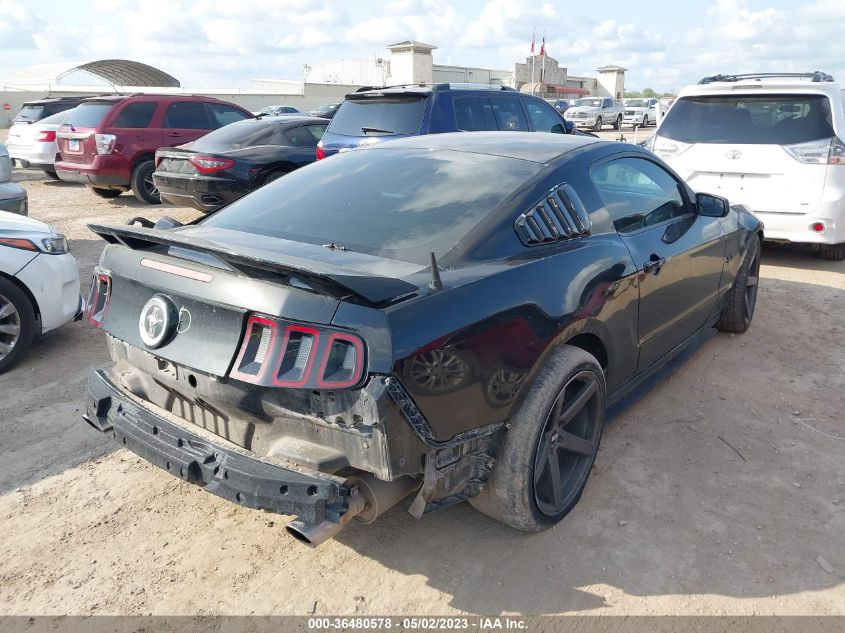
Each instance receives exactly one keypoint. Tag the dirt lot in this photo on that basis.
(720, 491)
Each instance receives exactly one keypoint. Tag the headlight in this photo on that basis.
(55, 245)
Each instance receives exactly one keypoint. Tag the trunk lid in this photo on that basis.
(762, 177)
(214, 280)
(75, 138)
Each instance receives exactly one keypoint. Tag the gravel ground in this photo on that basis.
(721, 490)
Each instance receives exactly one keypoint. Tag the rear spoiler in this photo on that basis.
(369, 288)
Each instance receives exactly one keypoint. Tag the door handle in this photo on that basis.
(174, 134)
(654, 264)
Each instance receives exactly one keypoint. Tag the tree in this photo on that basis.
(648, 93)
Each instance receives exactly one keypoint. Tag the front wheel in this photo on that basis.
(835, 252)
(617, 124)
(597, 126)
(142, 183)
(742, 297)
(17, 323)
(645, 120)
(546, 457)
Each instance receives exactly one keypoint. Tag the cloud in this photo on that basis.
(17, 26)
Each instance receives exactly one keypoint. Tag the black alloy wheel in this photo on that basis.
(568, 444)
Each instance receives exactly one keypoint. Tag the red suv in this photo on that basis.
(109, 143)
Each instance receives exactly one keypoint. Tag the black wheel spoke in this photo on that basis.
(571, 443)
(574, 407)
(553, 466)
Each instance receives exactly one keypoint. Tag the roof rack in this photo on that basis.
(816, 76)
(438, 87)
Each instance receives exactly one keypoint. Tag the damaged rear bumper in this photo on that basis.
(222, 469)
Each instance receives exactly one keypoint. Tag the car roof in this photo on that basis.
(538, 147)
(147, 96)
(47, 100)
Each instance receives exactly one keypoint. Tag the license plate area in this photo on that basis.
(73, 145)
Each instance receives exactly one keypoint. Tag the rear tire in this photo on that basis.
(105, 193)
(51, 173)
(17, 323)
(835, 252)
(546, 457)
(142, 183)
(742, 297)
(273, 175)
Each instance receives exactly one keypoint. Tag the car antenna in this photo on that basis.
(435, 283)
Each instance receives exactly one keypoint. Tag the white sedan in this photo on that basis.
(39, 284)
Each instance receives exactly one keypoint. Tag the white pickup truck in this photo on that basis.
(595, 112)
(641, 112)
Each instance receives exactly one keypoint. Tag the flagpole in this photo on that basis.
(533, 58)
(543, 71)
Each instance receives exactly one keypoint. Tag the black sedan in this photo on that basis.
(446, 316)
(236, 159)
(325, 111)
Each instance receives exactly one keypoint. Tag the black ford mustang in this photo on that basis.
(238, 158)
(447, 316)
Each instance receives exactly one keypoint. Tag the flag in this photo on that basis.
(532, 43)
(543, 47)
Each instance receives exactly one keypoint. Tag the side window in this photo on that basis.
(473, 114)
(318, 131)
(543, 118)
(186, 115)
(509, 114)
(300, 136)
(637, 193)
(136, 115)
(224, 115)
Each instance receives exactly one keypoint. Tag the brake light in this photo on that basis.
(817, 227)
(278, 354)
(98, 299)
(667, 148)
(342, 362)
(47, 136)
(210, 164)
(823, 152)
(158, 160)
(320, 153)
(104, 143)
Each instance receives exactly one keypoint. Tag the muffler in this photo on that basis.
(369, 498)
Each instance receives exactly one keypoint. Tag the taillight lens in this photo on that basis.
(210, 164)
(320, 154)
(104, 143)
(47, 136)
(342, 362)
(98, 299)
(822, 152)
(667, 148)
(278, 354)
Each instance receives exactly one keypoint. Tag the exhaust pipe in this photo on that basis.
(370, 498)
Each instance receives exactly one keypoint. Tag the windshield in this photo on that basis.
(400, 204)
(637, 103)
(56, 119)
(88, 114)
(749, 119)
(591, 103)
(379, 117)
(29, 113)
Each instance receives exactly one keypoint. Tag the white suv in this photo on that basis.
(772, 142)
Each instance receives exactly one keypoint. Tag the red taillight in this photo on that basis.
(98, 299)
(210, 164)
(47, 136)
(343, 361)
(320, 154)
(276, 354)
(158, 161)
(817, 227)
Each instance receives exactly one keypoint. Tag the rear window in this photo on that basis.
(238, 135)
(55, 119)
(749, 119)
(29, 113)
(379, 117)
(88, 114)
(401, 204)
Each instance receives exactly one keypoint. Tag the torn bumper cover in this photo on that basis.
(225, 471)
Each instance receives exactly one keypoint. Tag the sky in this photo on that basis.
(227, 43)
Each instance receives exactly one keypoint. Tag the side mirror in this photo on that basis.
(711, 206)
(558, 128)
